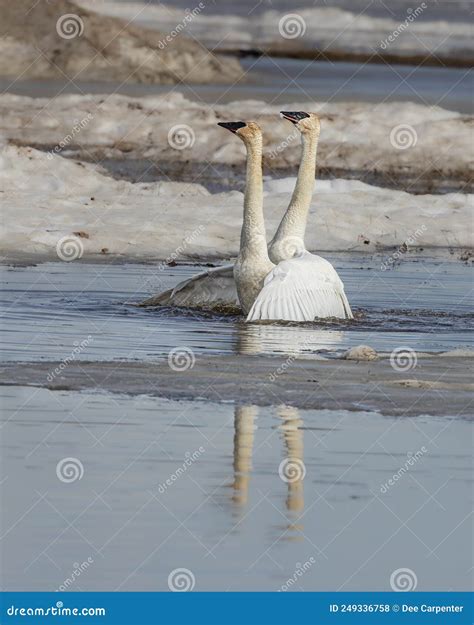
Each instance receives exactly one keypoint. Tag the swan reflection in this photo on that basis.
(290, 340)
(290, 472)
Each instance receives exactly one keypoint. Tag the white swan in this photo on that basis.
(302, 286)
(215, 288)
(299, 289)
(253, 264)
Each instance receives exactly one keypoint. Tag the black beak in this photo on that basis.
(232, 126)
(294, 116)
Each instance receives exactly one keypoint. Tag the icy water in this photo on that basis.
(449, 10)
(115, 493)
(50, 308)
(281, 80)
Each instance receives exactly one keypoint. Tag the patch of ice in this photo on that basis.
(361, 353)
(47, 197)
(356, 137)
(458, 353)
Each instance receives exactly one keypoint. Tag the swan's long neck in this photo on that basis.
(253, 239)
(253, 263)
(293, 224)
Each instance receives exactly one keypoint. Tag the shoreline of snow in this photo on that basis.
(50, 203)
(401, 141)
(328, 32)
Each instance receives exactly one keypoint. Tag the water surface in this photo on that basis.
(280, 80)
(99, 479)
(51, 308)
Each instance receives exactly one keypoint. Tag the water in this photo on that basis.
(448, 10)
(85, 477)
(50, 308)
(279, 81)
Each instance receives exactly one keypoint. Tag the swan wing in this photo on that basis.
(303, 288)
(208, 289)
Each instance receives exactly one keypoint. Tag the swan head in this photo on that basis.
(249, 132)
(305, 122)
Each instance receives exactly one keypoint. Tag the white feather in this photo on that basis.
(303, 288)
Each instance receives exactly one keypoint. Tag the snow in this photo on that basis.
(403, 140)
(47, 197)
(300, 31)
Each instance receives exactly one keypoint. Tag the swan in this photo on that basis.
(302, 286)
(216, 287)
(253, 264)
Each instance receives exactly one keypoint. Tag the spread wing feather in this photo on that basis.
(303, 288)
(208, 289)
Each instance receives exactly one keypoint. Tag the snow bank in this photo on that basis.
(306, 32)
(405, 141)
(48, 201)
(58, 39)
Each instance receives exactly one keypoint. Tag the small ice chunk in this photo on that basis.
(361, 352)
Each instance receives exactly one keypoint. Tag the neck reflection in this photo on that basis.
(292, 469)
(244, 430)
